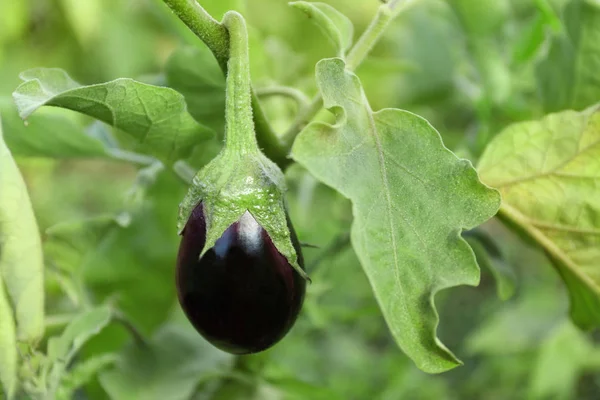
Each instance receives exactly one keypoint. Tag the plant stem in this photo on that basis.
(385, 14)
(303, 118)
(284, 91)
(337, 245)
(370, 37)
(216, 37)
(208, 29)
(239, 130)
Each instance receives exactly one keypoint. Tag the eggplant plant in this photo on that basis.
(311, 242)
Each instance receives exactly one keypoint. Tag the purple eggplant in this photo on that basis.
(242, 295)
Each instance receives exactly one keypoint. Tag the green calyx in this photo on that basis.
(241, 178)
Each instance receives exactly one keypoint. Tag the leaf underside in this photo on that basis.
(411, 198)
(548, 173)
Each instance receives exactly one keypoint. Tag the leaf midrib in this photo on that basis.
(523, 221)
(386, 188)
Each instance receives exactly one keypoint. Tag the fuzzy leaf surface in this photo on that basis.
(411, 198)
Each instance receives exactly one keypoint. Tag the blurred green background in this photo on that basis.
(468, 66)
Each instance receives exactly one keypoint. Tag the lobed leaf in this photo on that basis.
(411, 197)
(156, 116)
(21, 260)
(548, 173)
(336, 26)
(568, 78)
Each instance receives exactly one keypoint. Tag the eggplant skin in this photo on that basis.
(243, 296)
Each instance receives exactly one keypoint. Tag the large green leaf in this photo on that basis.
(21, 261)
(568, 78)
(411, 197)
(170, 367)
(548, 173)
(335, 25)
(156, 117)
(8, 345)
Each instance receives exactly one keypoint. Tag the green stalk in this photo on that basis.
(240, 136)
(385, 14)
(216, 37)
(208, 29)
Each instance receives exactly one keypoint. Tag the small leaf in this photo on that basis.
(157, 117)
(520, 325)
(68, 242)
(80, 330)
(530, 42)
(488, 256)
(568, 78)
(63, 348)
(481, 18)
(411, 197)
(47, 134)
(335, 25)
(21, 260)
(169, 368)
(194, 72)
(548, 173)
(8, 345)
(560, 363)
(82, 373)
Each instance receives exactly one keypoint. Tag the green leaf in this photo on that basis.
(8, 345)
(47, 134)
(520, 325)
(568, 78)
(481, 18)
(411, 197)
(80, 330)
(548, 173)
(21, 260)
(170, 367)
(82, 373)
(68, 242)
(157, 117)
(489, 257)
(63, 348)
(560, 363)
(335, 25)
(530, 42)
(194, 72)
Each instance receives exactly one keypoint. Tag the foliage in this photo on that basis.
(484, 107)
